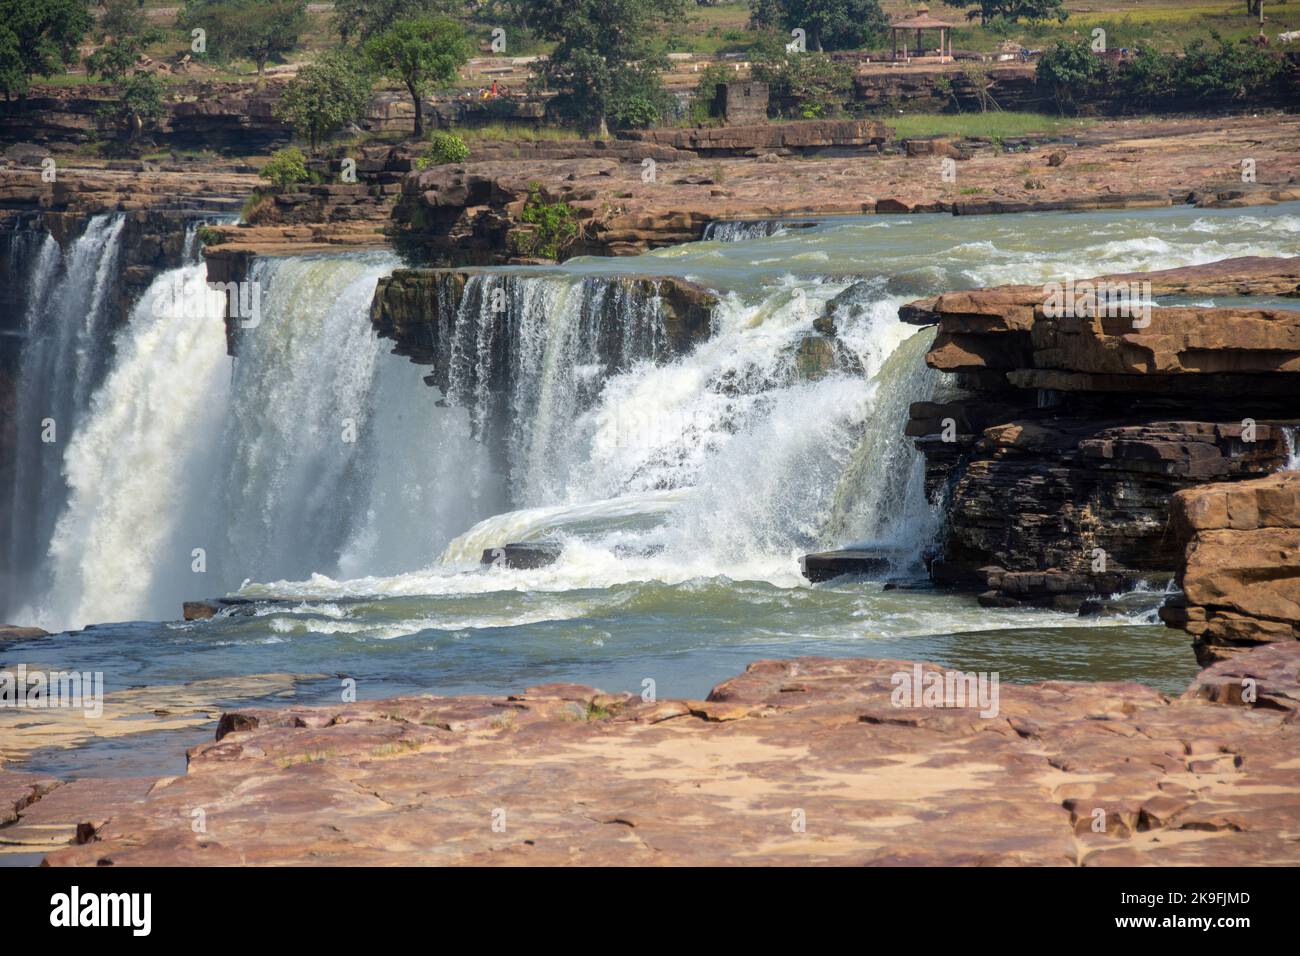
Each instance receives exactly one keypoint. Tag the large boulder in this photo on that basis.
(1240, 572)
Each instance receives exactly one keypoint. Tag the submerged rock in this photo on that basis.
(825, 565)
(12, 632)
(523, 555)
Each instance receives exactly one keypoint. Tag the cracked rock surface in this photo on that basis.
(802, 761)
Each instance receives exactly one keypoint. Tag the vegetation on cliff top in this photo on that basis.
(421, 55)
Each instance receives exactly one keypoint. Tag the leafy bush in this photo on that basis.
(286, 167)
(810, 85)
(446, 148)
(705, 90)
(1232, 71)
(255, 207)
(1070, 70)
(325, 96)
(555, 226)
(208, 236)
(1220, 72)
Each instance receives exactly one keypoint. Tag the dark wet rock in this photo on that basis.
(825, 565)
(523, 555)
(199, 610)
(417, 308)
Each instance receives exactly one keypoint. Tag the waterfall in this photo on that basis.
(67, 330)
(316, 452)
(1291, 434)
(565, 412)
(740, 230)
(724, 460)
(136, 466)
(527, 355)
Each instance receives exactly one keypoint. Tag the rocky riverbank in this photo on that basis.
(458, 214)
(804, 761)
(1058, 465)
(629, 196)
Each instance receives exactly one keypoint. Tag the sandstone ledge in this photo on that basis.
(1008, 334)
(1241, 568)
(574, 776)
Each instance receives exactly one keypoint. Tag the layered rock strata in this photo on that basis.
(1074, 432)
(1240, 573)
(802, 137)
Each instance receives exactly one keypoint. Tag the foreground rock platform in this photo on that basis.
(802, 761)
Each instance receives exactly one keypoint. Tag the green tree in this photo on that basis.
(1222, 70)
(325, 96)
(359, 20)
(828, 24)
(139, 102)
(807, 85)
(257, 29)
(420, 54)
(123, 31)
(1069, 70)
(285, 167)
(38, 38)
(606, 62)
(1034, 10)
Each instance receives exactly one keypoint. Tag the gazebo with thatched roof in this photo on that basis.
(921, 20)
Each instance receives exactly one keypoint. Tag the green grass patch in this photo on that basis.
(527, 134)
(994, 125)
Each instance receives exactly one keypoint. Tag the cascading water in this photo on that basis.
(680, 478)
(317, 453)
(724, 460)
(741, 230)
(65, 354)
(1292, 436)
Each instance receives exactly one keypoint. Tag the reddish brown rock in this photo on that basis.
(803, 761)
(1240, 573)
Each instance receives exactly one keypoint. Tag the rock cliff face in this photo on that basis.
(1240, 573)
(475, 330)
(413, 308)
(804, 761)
(1075, 432)
(803, 137)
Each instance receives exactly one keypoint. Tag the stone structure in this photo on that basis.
(741, 103)
(1240, 573)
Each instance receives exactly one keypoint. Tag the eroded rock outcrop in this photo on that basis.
(1075, 431)
(804, 761)
(802, 136)
(1240, 573)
